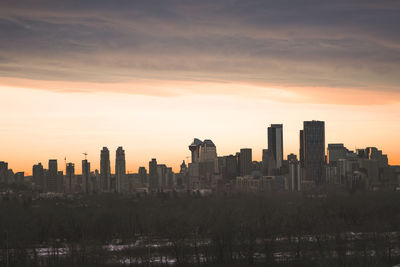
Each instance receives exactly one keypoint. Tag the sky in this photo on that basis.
(151, 75)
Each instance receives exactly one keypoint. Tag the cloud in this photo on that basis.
(293, 44)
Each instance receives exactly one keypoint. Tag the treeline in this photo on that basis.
(243, 230)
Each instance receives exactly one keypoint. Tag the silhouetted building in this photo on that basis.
(208, 151)
(294, 173)
(38, 176)
(301, 150)
(245, 161)
(372, 153)
(52, 176)
(142, 175)
(19, 177)
(313, 147)
(105, 172)
(195, 149)
(120, 171)
(229, 169)
(86, 175)
(60, 182)
(275, 143)
(162, 176)
(336, 152)
(153, 175)
(268, 164)
(3, 172)
(170, 178)
(70, 179)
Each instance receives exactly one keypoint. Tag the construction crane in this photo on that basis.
(85, 153)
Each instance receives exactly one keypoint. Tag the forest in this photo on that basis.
(281, 229)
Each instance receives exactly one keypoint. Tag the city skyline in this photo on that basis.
(256, 155)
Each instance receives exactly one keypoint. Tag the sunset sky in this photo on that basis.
(151, 75)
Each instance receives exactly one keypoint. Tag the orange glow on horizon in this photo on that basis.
(160, 118)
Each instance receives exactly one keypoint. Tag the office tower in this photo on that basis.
(3, 172)
(52, 176)
(195, 148)
(275, 143)
(85, 175)
(120, 171)
(208, 151)
(170, 178)
(142, 175)
(268, 164)
(162, 178)
(301, 150)
(153, 175)
(70, 185)
(105, 172)
(372, 153)
(230, 167)
(203, 151)
(294, 173)
(336, 152)
(60, 181)
(38, 176)
(245, 161)
(313, 147)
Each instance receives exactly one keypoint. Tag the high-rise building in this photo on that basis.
(229, 168)
(275, 143)
(38, 175)
(336, 152)
(142, 175)
(312, 145)
(3, 172)
(162, 175)
(195, 148)
(70, 182)
(245, 161)
(120, 171)
(105, 172)
(170, 178)
(85, 175)
(208, 151)
(153, 175)
(294, 173)
(372, 153)
(52, 176)
(301, 150)
(60, 182)
(268, 164)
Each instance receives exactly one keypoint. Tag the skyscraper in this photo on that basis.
(70, 178)
(3, 172)
(275, 143)
(142, 175)
(105, 172)
(38, 175)
(52, 176)
(336, 152)
(85, 175)
(268, 166)
(312, 146)
(195, 148)
(245, 161)
(120, 171)
(153, 175)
